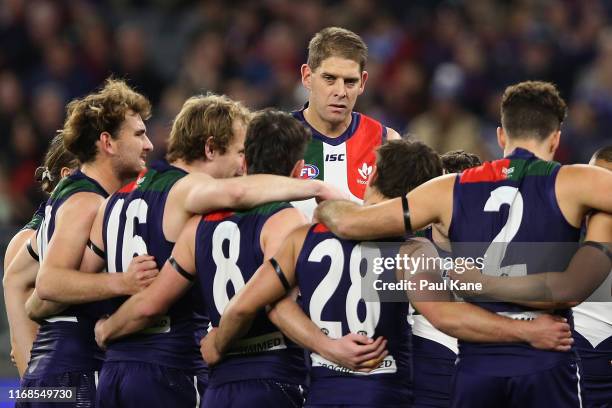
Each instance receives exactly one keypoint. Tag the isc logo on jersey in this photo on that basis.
(335, 157)
(309, 171)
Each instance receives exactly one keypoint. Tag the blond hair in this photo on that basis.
(201, 117)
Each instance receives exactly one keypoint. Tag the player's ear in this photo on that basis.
(306, 75)
(297, 169)
(65, 171)
(364, 78)
(501, 137)
(209, 148)
(105, 143)
(373, 176)
(555, 140)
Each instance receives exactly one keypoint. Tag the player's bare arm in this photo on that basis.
(198, 193)
(588, 268)
(59, 279)
(354, 351)
(429, 203)
(262, 289)
(580, 188)
(19, 276)
(142, 309)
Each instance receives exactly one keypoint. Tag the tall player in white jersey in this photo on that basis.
(343, 141)
(593, 327)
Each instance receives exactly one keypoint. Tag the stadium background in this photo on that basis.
(437, 69)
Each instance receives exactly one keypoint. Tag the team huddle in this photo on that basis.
(229, 274)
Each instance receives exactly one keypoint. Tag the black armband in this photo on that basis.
(280, 274)
(31, 251)
(598, 245)
(96, 249)
(180, 269)
(406, 210)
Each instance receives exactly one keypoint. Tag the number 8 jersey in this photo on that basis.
(328, 272)
(227, 254)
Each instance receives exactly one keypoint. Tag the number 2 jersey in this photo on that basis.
(65, 342)
(228, 253)
(512, 201)
(133, 225)
(329, 276)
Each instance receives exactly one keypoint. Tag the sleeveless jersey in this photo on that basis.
(228, 253)
(65, 342)
(510, 201)
(346, 161)
(328, 271)
(37, 218)
(133, 225)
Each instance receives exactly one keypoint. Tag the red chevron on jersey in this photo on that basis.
(360, 148)
(320, 228)
(487, 172)
(218, 215)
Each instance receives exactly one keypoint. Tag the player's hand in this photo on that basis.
(140, 274)
(357, 352)
(99, 333)
(13, 361)
(550, 332)
(329, 192)
(209, 352)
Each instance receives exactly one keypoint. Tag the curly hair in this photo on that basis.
(103, 111)
(532, 110)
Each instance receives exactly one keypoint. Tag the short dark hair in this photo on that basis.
(402, 165)
(456, 161)
(532, 110)
(274, 142)
(605, 154)
(103, 111)
(336, 42)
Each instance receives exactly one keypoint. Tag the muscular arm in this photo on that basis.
(580, 188)
(19, 276)
(142, 309)
(262, 289)
(59, 279)
(429, 203)
(588, 268)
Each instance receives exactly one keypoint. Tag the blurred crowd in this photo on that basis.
(436, 69)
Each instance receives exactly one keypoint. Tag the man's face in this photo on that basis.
(132, 146)
(334, 86)
(231, 163)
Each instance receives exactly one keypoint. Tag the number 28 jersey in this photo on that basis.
(328, 271)
(133, 225)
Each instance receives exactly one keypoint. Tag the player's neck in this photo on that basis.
(196, 166)
(324, 127)
(541, 150)
(373, 197)
(104, 175)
